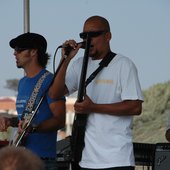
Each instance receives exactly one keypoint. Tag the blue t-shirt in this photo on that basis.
(43, 144)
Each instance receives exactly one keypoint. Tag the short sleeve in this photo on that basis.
(50, 100)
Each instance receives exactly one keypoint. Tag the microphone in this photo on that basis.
(69, 48)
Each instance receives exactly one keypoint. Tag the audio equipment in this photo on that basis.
(162, 157)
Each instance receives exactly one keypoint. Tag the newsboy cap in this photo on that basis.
(29, 40)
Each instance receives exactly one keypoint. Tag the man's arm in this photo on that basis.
(58, 88)
(167, 135)
(124, 108)
(57, 121)
(6, 122)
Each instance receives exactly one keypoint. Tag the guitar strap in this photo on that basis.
(32, 99)
(104, 63)
(28, 112)
(79, 125)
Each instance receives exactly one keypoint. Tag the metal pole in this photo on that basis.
(26, 16)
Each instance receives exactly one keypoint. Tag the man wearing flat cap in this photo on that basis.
(30, 54)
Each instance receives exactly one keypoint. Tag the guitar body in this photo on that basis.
(19, 137)
(77, 139)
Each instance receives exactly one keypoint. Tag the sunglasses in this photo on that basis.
(91, 34)
(19, 50)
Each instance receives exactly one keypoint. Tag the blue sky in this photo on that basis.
(140, 31)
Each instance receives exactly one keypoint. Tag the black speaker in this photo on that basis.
(64, 154)
(162, 157)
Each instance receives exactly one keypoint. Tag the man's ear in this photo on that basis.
(108, 36)
(34, 51)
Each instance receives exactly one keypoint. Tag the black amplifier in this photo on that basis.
(144, 153)
(162, 157)
(64, 150)
(64, 154)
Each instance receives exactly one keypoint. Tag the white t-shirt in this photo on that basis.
(108, 139)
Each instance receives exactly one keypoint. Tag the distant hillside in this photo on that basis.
(150, 126)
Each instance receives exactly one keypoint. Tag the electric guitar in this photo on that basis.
(79, 124)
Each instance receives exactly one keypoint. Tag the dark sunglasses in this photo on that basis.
(19, 50)
(84, 35)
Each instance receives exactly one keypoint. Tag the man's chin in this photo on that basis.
(19, 67)
(93, 56)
